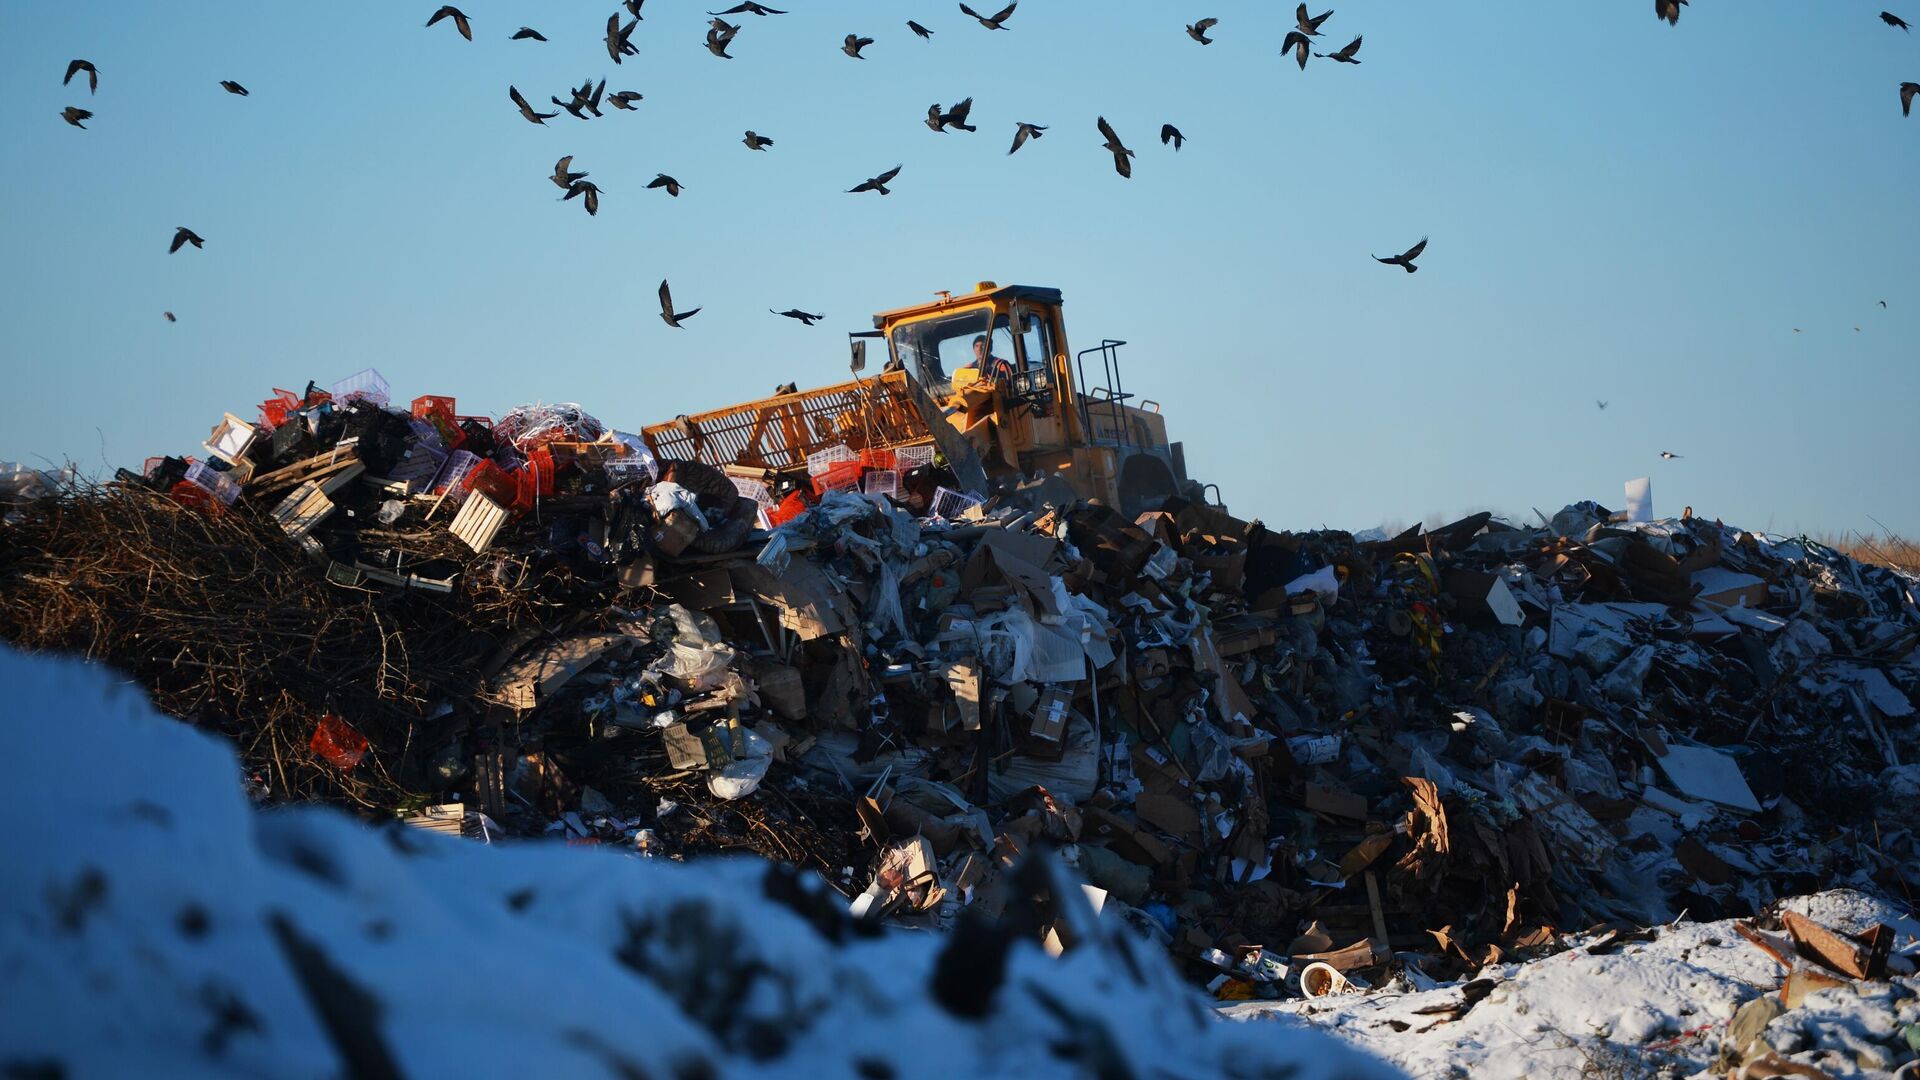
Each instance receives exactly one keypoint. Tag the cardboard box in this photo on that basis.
(1050, 714)
(673, 533)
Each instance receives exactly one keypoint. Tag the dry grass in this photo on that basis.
(1882, 550)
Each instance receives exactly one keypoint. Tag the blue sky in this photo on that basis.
(1619, 210)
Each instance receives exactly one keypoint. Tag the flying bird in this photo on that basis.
(1309, 27)
(667, 313)
(633, 7)
(921, 30)
(994, 22)
(620, 42)
(718, 39)
(1024, 132)
(854, 44)
(588, 189)
(459, 18)
(586, 99)
(74, 67)
(1298, 44)
(526, 110)
(183, 236)
(527, 33)
(625, 99)
(668, 182)
(1668, 455)
(1891, 19)
(563, 174)
(796, 313)
(757, 142)
(1883, 303)
(1171, 134)
(786, 388)
(169, 316)
(749, 8)
(876, 183)
(233, 88)
(73, 114)
(1404, 260)
(954, 117)
(1602, 404)
(1907, 92)
(1668, 10)
(1198, 31)
(1344, 56)
(1120, 153)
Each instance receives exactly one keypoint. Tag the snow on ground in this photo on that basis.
(154, 923)
(1655, 1008)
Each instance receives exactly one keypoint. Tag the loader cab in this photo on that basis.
(1043, 419)
(941, 345)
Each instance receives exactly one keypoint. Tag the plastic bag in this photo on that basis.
(741, 776)
(667, 496)
(698, 657)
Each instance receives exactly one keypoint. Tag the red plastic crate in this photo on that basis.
(438, 411)
(427, 404)
(534, 479)
(275, 410)
(792, 507)
(839, 477)
(877, 459)
(494, 482)
(194, 497)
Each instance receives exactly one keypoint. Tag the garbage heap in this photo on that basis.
(1278, 753)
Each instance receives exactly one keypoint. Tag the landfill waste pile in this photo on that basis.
(1301, 761)
(155, 924)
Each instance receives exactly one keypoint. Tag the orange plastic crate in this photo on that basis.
(877, 459)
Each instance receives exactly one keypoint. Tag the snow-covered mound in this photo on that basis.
(154, 923)
(1659, 1008)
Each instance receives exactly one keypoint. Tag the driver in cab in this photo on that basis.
(988, 365)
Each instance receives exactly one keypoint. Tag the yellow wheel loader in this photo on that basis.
(988, 379)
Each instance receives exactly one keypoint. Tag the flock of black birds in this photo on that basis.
(585, 101)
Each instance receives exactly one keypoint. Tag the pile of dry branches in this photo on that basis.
(232, 627)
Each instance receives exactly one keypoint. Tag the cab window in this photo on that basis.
(931, 350)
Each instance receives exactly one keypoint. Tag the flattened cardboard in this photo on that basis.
(804, 597)
(537, 675)
(1171, 814)
(1699, 772)
(1335, 803)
